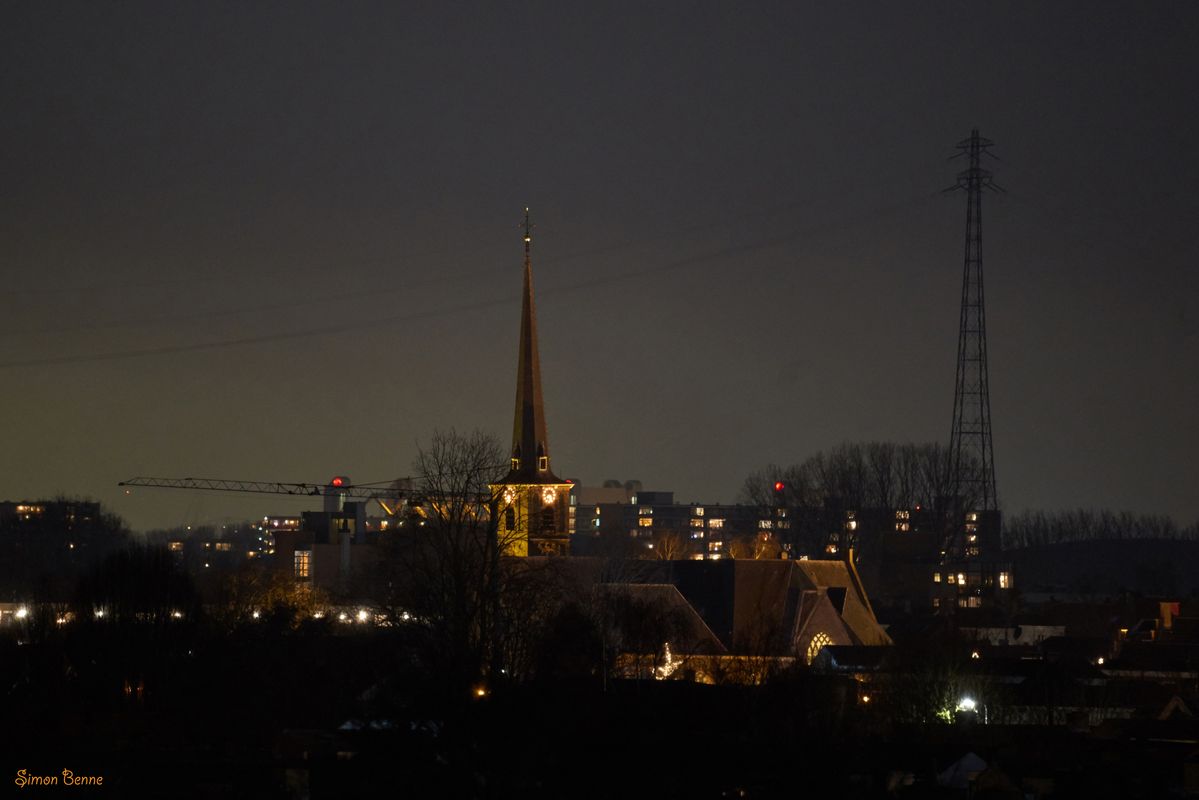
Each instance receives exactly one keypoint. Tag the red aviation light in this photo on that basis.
(338, 481)
(779, 486)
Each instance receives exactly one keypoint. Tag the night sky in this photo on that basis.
(280, 241)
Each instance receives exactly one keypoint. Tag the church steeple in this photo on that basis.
(530, 448)
(531, 503)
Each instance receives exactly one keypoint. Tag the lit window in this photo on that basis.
(715, 523)
(595, 523)
(645, 511)
(224, 547)
(951, 578)
(1005, 580)
(972, 517)
(515, 464)
(175, 547)
(543, 463)
(765, 524)
(714, 546)
(303, 564)
(903, 514)
(820, 641)
(697, 512)
(961, 579)
(831, 549)
(697, 523)
(936, 577)
(646, 522)
(852, 525)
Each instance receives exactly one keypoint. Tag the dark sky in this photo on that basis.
(279, 241)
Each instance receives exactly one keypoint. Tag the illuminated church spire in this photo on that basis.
(530, 447)
(532, 504)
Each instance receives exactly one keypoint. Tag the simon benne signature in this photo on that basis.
(66, 778)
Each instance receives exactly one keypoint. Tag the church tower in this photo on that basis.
(532, 502)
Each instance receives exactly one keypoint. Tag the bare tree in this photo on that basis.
(445, 573)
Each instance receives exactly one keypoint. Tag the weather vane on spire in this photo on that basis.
(528, 236)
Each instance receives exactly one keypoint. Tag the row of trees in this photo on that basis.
(1036, 528)
(858, 475)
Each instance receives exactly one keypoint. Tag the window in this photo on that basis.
(765, 524)
(715, 523)
(714, 547)
(515, 464)
(697, 523)
(936, 577)
(646, 522)
(224, 547)
(901, 514)
(176, 547)
(543, 463)
(698, 511)
(1005, 580)
(510, 518)
(820, 641)
(951, 578)
(961, 579)
(646, 511)
(303, 564)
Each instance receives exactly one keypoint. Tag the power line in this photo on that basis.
(380, 321)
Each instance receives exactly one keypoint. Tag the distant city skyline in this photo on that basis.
(261, 245)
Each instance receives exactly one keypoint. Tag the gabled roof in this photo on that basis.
(689, 631)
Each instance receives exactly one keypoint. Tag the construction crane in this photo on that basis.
(391, 497)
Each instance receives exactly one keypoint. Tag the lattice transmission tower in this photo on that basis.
(971, 456)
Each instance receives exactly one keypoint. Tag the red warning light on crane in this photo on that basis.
(338, 481)
(778, 486)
